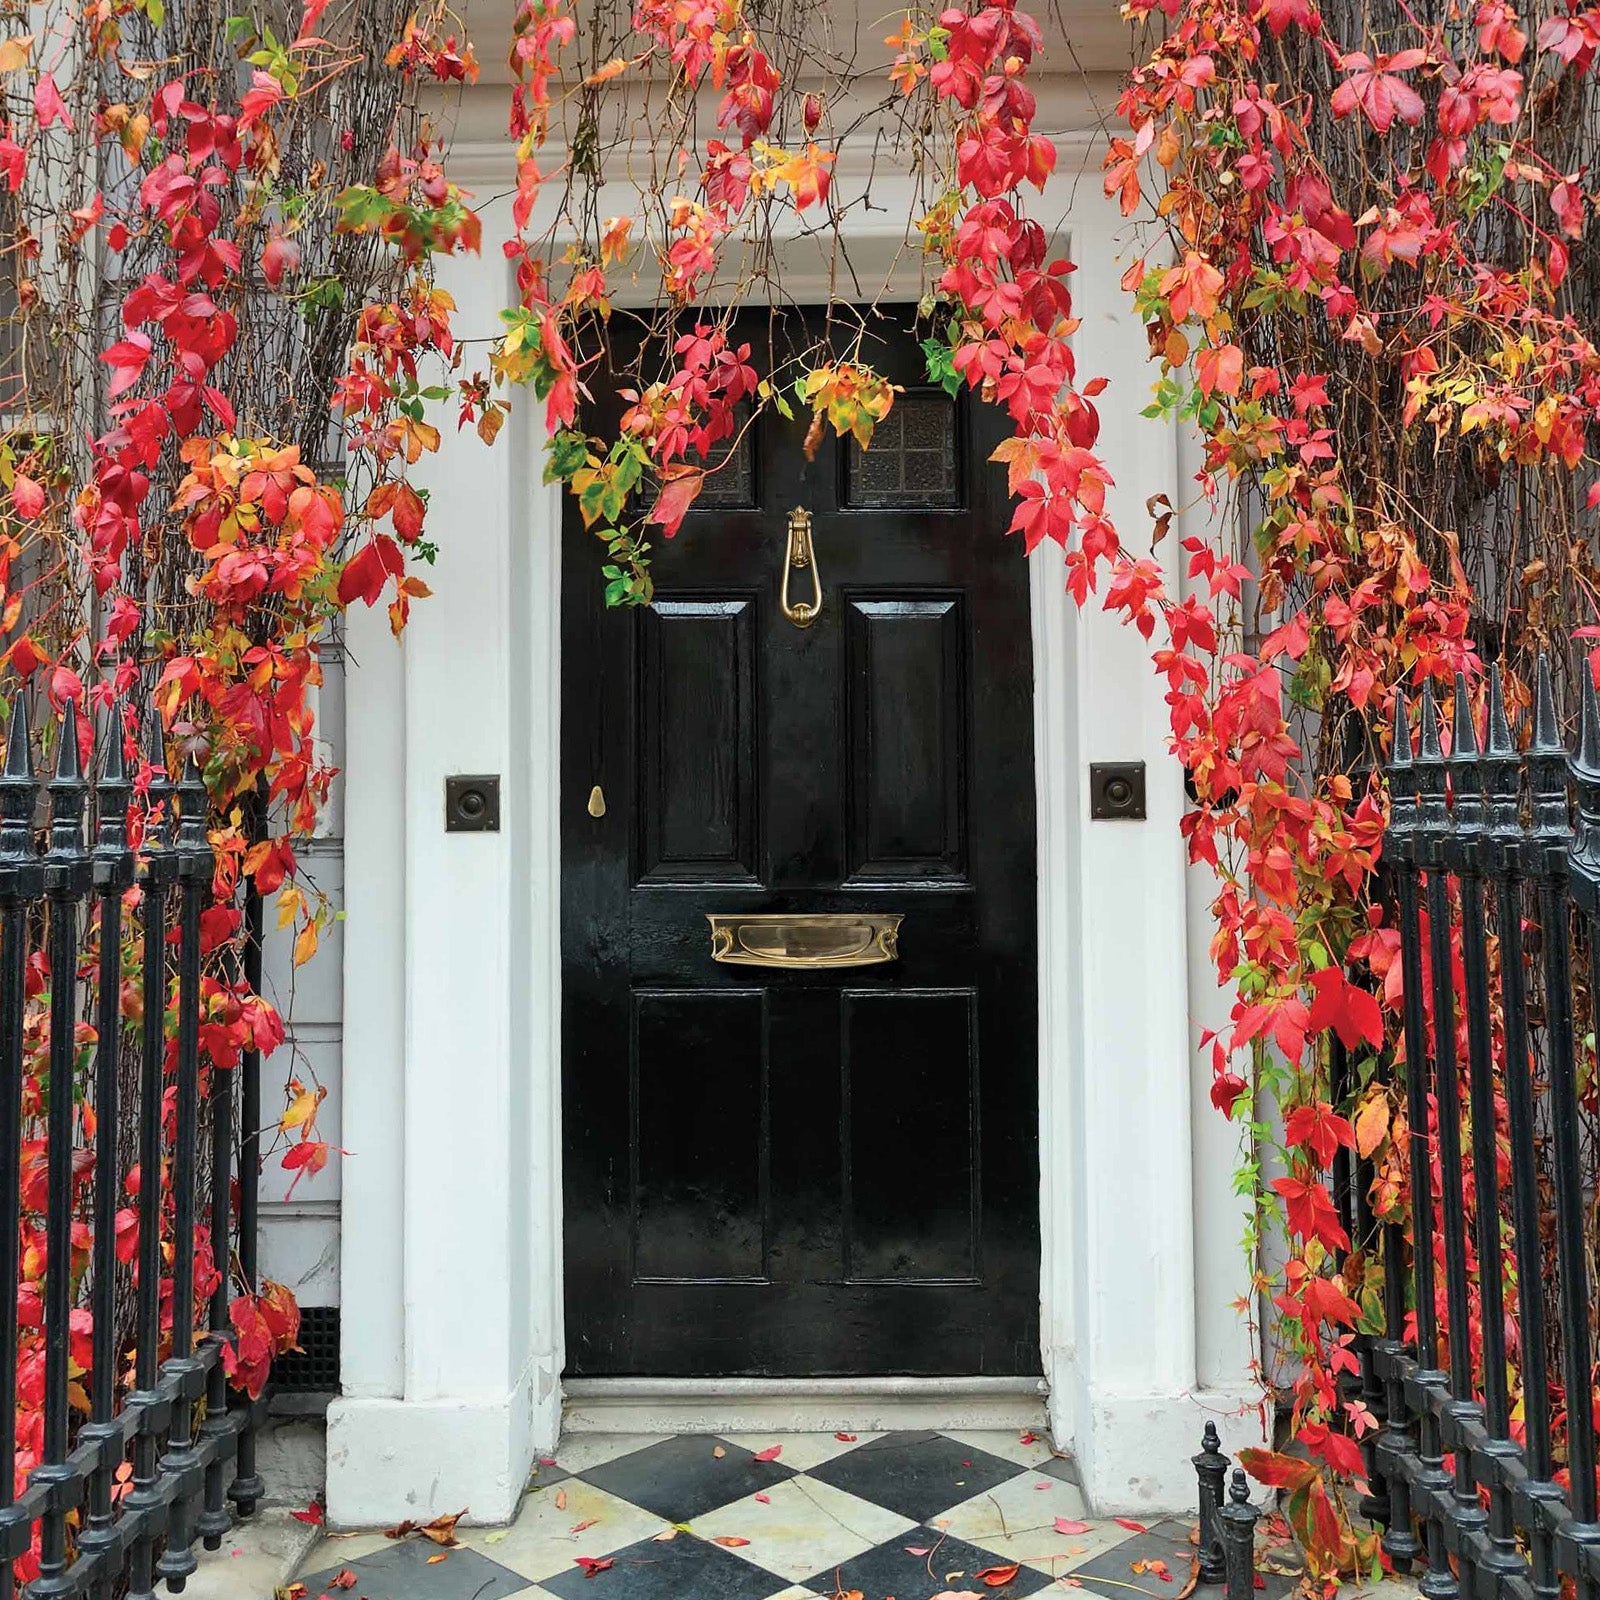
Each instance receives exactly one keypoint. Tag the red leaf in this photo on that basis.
(1130, 1525)
(680, 486)
(590, 1566)
(311, 1514)
(48, 106)
(997, 1577)
(27, 497)
(771, 1453)
(1276, 1471)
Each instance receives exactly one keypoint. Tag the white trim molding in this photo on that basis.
(452, 1226)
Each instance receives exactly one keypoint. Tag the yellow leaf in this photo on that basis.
(305, 944)
(1372, 1124)
(303, 1107)
(14, 52)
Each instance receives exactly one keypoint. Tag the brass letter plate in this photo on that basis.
(822, 939)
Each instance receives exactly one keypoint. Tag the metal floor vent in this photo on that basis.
(314, 1367)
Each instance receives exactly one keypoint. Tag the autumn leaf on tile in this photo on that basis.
(344, 1578)
(561, 1499)
(1130, 1525)
(1192, 1580)
(1028, 1437)
(666, 1536)
(764, 1497)
(311, 1514)
(771, 1453)
(1068, 1525)
(591, 1565)
(997, 1577)
(438, 1556)
(442, 1530)
(846, 1438)
(730, 1541)
(718, 1452)
(588, 1522)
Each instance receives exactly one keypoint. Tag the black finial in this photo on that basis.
(1429, 748)
(1499, 743)
(1209, 1441)
(113, 791)
(68, 792)
(1588, 758)
(1502, 767)
(1401, 756)
(19, 745)
(158, 828)
(193, 806)
(1239, 1489)
(1463, 735)
(19, 791)
(69, 760)
(1546, 734)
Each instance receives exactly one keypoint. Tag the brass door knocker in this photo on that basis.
(800, 553)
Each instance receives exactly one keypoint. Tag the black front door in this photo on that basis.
(816, 1169)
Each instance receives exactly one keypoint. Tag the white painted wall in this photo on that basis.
(451, 1203)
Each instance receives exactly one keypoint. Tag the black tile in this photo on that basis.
(684, 1478)
(678, 1569)
(917, 1475)
(402, 1571)
(945, 1563)
(1064, 1468)
(1166, 1540)
(546, 1475)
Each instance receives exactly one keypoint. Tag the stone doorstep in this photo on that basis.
(257, 1557)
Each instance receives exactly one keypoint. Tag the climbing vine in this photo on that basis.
(1368, 283)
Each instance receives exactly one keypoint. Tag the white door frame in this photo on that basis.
(451, 1216)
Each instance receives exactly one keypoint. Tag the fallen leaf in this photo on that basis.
(1045, 1484)
(666, 1536)
(1068, 1525)
(914, 1550)
(997, 1577)
(730, 1541)
(344, 1578)
(718, 1452)
(561, 1499)
(1130, 1525)
(846, 1438)
(499, 1536)
(588, 1522)
(1028, 1437)
(442, 1555)
(1193, 1579)
(771, 1453)
(764, 1498)
(589, 1565)
(311, 1514)
(442, 1530)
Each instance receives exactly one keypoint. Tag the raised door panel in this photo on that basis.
(696, 730)
(912, 1182)
(699, 1136)
(906, 735)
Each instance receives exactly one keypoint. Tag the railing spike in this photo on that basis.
(19, 751)
(1499, 742)
(1588, 760)
(1429, 748)
(1546, 731)
(69, 761)
(1401, 754)
(1463, 734)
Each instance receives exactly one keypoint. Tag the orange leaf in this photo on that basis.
(997, 1577)
(730, 1541)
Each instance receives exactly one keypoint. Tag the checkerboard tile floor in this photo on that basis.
(895, 1516)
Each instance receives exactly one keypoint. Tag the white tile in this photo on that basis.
(802, 1451)
(1008, 1445)
(1018, 1520)
(802, 1528)
(578, 1452)
(787, 1594)
(558, 1524)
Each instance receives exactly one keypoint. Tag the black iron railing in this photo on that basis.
(1482, 842)
(158, 1461)
(1481, 857)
